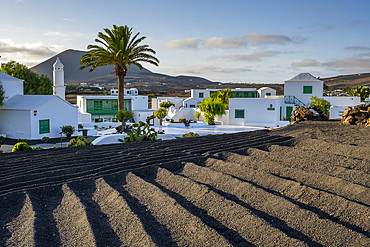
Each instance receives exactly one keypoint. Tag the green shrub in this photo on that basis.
(167, 104)
(95, 126)
(68, 130)
(45, 139)
(80, 126)
(190, 134)
(181, 120)
(320, 103)
(38, 148)
(135, 125)
(79, 141)
(172, 121)
(142, 133)
(119, 129)
(197, 115)
(2, 138)
(21, 146)
(22, 140)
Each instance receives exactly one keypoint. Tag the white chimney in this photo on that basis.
(58, 79)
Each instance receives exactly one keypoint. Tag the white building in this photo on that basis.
(103, 108)
(264, 92)
(303, 86)
(35, 116)
(177, 101)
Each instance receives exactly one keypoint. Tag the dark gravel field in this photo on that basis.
(307, 184)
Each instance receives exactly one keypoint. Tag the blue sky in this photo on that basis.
(228, 41)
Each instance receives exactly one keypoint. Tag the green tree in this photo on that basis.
(68, 130)
(223, 96)
(320, 103)
(160, 114)
(124, 116)
(2, 95)
(119, 48)
(361, 91)
(212, 108)
(166, 104)
(33, 83)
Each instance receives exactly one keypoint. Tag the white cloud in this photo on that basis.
(259, 39)
(258, 56)
(350, 65)
(28, 52)
(192, 43)
(357, 48)
(347, 65)
(217, 42)
(306, 63)
(209, 69)
(245, 40)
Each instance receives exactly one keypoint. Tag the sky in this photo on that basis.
(264, 41)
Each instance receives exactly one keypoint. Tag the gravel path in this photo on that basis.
(301, 185)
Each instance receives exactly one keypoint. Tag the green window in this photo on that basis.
(239, 113)
(98, 105)
(201, 95)
(307, 89)
(192, 106)
(268, 94)
(44, 126)
(245, 95)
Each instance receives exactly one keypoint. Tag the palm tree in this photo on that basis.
(119, 48)
(224, 96)
(361, 91)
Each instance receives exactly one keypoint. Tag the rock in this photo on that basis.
(359, 114)
(307, 113)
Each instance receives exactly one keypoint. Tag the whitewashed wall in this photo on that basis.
(15, 123)
(295, 88)
(344, 101)
(12, 88)
(256, 111)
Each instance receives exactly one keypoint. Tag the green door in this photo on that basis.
(289, 110)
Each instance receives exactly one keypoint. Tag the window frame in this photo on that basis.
(239, 110)
(42, 128)
(307, 89)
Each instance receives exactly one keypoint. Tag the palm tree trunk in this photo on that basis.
(121, 73)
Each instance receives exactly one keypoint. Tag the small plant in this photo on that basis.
(38, 148)
(54, 146)
(124, 116)
(21, 146)
(160, 114)
(79, 142)
(135, 125)
(80, 126)
(22, 140)
(119, 129)
(95, 126)
(197, 115)
(142, 133)
(172, 121)
(190, 134)
(181, 120)
(45, 139)
(167, 104)
(2, 138)
(68, 130)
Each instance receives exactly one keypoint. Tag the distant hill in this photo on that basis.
(71, 61)
(343, 81)
(106, 76)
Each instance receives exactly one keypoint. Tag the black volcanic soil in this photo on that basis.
(302, 185)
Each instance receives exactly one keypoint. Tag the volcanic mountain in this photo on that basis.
(105, 75)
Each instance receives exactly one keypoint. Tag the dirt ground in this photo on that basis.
(303, 185)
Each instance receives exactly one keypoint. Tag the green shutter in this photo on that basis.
(201, 95)
(239, 113)
(307, 89)
(44, 126)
